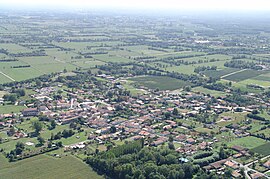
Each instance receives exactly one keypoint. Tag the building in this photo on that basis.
(30, 112)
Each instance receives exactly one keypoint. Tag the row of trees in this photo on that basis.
(204, 68)
(242, 64)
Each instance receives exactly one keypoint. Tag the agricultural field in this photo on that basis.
(249, 142)
(38, 167)
(11, 109)
(244, 75)
(208, 91)
(262, 149)
(159, 82)
(220, 73)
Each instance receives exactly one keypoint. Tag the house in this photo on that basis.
(181, 138)
(231, 164)
(267, 164)
(159, 141)
(217, 165)
(256, 175)
(190, 141)
(30, 112)
(238, 148)
(236, 174)
(2, 124)
(238, 155)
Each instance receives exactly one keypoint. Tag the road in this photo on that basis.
(247, 169)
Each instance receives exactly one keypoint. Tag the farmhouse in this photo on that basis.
(30, 112)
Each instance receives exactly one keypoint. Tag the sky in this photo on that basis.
(245, 5)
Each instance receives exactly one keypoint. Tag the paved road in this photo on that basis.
(247, 169)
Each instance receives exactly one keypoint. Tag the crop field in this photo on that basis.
(160, 82)
(243, 75)
(111, 58)
(262, 149)
(189, 69)
(88, 63)
(220, 73)
(249, 142)
(4, 79)
(11, 108)
(255, 82)
(14, 48)
(38, 167)
(263, 77)
(208, 91)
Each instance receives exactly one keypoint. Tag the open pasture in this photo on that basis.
(249, 142)
(38, 167)
(160, 82)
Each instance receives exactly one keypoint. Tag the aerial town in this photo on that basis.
(174, 98)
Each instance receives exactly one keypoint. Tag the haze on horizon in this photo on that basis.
(227, 5)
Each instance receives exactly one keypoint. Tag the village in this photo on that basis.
(186, 121)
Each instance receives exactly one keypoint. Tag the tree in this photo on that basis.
(10, 97)
(53, 124)
(167, 115)
(59, 144)
(38, 83)
(37, 126)
(175, 112)
(113, 129)
(19, 92)
(222, 153)
(170, 138)
(19, 148)
(171, 146)
(11, 131)
(50, 145)
(227, 173)
(109, 147)
(67, 133)
(41, 140)
(173, 174)
(150, 168)
(187, 88)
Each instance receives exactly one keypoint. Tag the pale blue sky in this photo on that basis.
(149, 4)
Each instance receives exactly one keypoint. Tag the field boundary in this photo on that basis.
(224, 76)
(7, 76)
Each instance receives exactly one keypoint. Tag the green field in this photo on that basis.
(243, 75)
(11, 108)
(219, 73)
(249, 142)
(44, 166)
(189, 69)
(208, 91)
(263, 77)
(262, 149)
(160, 82)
